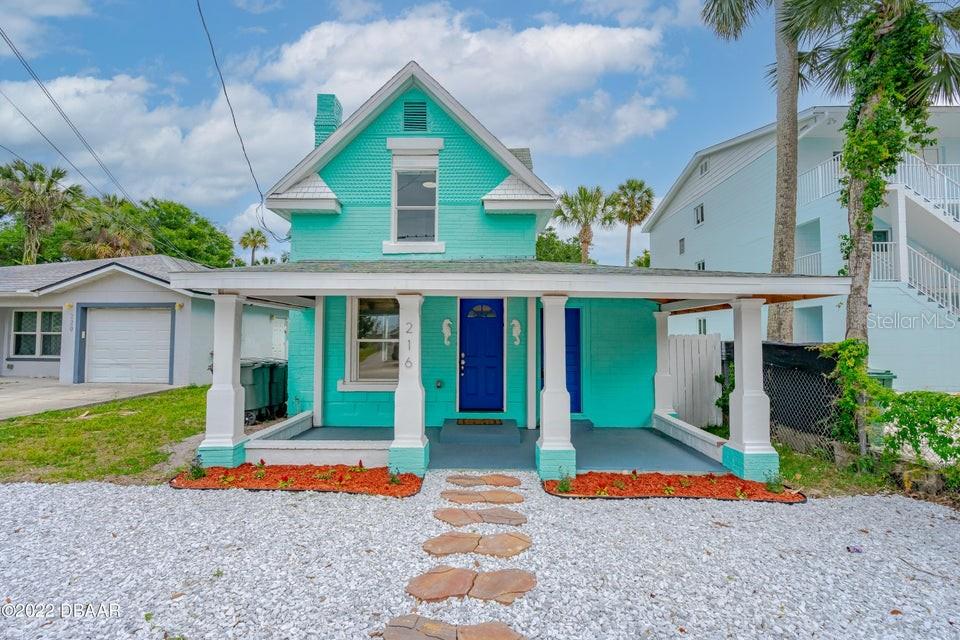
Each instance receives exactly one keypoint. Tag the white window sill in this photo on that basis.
(391, 247)
(343, 385)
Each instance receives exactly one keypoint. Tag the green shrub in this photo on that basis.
(860, 397)
(774, 483)
(928, 422)
(196, 470)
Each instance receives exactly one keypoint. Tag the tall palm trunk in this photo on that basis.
(780, 316)
(253, 256)
(586, 239)
(626, 262)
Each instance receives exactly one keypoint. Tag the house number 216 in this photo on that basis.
(408, 363)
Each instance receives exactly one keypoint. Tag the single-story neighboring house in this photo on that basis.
(119, 320)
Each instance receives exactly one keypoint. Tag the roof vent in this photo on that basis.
(415, 116)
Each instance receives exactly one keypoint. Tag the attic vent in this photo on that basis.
(415, 116)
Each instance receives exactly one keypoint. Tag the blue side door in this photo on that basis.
(481, 354)
(572, 335)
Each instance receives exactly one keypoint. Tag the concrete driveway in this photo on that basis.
(25, 396)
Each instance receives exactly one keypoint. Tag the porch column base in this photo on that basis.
(222, 456)
(758, 464)
(409, 459)
(553, 464)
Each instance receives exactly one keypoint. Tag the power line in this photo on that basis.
(49, 142)
(63, 114)
(236, 127)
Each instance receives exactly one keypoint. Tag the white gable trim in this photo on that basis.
(102, 272)
(406, 77)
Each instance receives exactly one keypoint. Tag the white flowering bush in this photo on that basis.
(925, 422)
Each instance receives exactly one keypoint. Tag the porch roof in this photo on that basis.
(679, 290)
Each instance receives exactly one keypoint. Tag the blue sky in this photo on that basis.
(602, 90)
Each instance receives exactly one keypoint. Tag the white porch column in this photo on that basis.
(555, 454)
(222, 445)
(749, 453)
(662, 380)
(899, 228)
(410, 450)
(318, 308)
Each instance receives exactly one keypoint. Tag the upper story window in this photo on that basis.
(701, 265)
(702, 326)
(416, 205)
(415, 116)
(698, 214)
(37, 333)
(704, 167)
(683, 245)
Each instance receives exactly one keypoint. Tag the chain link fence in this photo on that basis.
(802, 396)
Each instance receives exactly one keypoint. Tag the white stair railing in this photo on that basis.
(940, 188)
(933, 281)
(883, 262)
(808, 265)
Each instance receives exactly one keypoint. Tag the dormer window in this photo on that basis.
(416, 209)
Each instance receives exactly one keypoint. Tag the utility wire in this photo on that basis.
(63, 114)
(236, 127)
(49, 142)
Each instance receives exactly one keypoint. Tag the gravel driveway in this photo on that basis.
(235, 564)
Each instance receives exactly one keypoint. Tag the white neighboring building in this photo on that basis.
(719, 215)
(119, 320)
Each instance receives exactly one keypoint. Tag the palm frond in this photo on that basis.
(817, 19)
(729, 18)
(942, 84)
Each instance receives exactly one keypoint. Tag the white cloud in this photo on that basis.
(626, 12)
(25, 22)
(354, 10)
(258, 6)
(515, 81)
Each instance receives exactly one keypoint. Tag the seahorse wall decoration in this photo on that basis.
(515, 330)
(446, 328)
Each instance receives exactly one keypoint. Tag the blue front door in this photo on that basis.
(481, 354)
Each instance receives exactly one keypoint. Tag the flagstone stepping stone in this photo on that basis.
(503, 586)
(493, 496)
(414, 627)
(502, 545)
(491, 479)
(452, 542)
(442, 582)
(495, 515)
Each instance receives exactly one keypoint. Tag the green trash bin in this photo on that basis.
(885, 378)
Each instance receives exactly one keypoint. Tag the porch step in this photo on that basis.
(472, 434)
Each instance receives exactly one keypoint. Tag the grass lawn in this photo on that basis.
(119, 438)
(819, 476)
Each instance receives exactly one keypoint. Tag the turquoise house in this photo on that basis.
(426, 334)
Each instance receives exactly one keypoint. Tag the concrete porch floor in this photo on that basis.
(597, 449)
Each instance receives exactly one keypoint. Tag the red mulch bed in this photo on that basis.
(308, 477)
(597, 484)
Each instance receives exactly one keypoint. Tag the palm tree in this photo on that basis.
(584, 209)
(892, 57)
(111, 231)
(729, 18)
(39, 198)
(632, 202)
(253, 239)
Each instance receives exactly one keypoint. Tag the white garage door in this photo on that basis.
(128, 345)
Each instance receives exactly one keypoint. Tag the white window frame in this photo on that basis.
(699, 215)
(701, 265)
(682, 246)
(350, 382)
(39, 333)
(704, 167)
(414, 154)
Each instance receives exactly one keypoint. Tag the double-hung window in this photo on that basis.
(698, 214)
(374, 340)
(416, 208)
(36, 333)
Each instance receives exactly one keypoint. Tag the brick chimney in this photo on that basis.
(329, 115)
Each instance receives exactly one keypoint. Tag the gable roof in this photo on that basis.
(38, 278)
(411, 74)
(803, 117)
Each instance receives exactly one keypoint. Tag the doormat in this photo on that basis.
(485, 422)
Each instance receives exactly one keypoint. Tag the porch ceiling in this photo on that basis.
(508, 277)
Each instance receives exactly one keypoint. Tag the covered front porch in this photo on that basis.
(616, 415)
